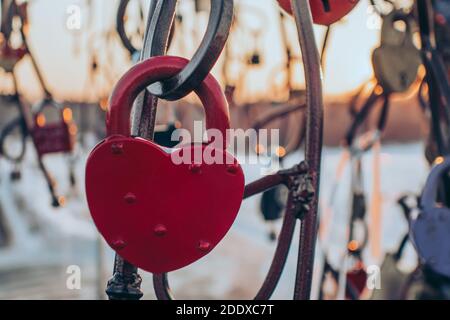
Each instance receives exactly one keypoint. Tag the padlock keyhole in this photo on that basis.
(326, 5)
(255, 59)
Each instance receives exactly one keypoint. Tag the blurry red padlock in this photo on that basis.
(53, 136)
(325, 12)
(356, 281)
(9, 56)
(156, 213)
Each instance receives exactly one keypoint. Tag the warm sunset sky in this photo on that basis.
(63, 54)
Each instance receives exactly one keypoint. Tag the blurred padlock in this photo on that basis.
(53, 136)
(430, 230)
(9, 56)
(396, 62)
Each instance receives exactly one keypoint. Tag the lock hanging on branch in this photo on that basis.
(55, 137)
(324, 12)
(9, 57)
(396, 61)
(156, 214)
(430, 229)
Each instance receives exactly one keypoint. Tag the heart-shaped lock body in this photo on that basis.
(430, 230)
(159, 214)
(325, 12)
(9, 56)
(396, 62)
(357, 281)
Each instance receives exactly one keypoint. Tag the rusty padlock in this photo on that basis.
(430, 230)
(325, 12)
(54, 136)
(396, 61)
(159, 214)
(9, 56)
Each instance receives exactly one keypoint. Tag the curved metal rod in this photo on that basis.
(23, 121)
(361, 116)
(7, 131)
(219, 26)
(156, 40)
(120, 27)
(278, 113)
(313, 148)
(436, 78)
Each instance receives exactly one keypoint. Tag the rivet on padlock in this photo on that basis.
(192, 205)
(160, 230)
(195, 168)
(130, 198)
(204, 246)
(233, 168)
(119, 245)
(117, 148)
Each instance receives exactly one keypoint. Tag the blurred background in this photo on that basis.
(77, 50)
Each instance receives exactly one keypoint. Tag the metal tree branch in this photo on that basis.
(313, 151)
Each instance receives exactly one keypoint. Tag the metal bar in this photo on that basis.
(263, 184)
(204, 59)
(313, 149)
(161, 13)
(280, 112)
(161, 16)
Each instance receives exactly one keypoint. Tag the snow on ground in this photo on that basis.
(46, 240)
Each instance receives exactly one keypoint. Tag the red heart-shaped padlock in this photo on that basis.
(156, 213)
(325, 12)
(9, 56)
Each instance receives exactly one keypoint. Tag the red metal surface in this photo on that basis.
(357, 280)
(155, 69)
(338, 10)
(53, 138)
(10, 56)
(158, 215)
(155, 214)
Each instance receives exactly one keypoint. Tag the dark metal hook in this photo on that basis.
(313, 148)
(204, 59)
(156, 40)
